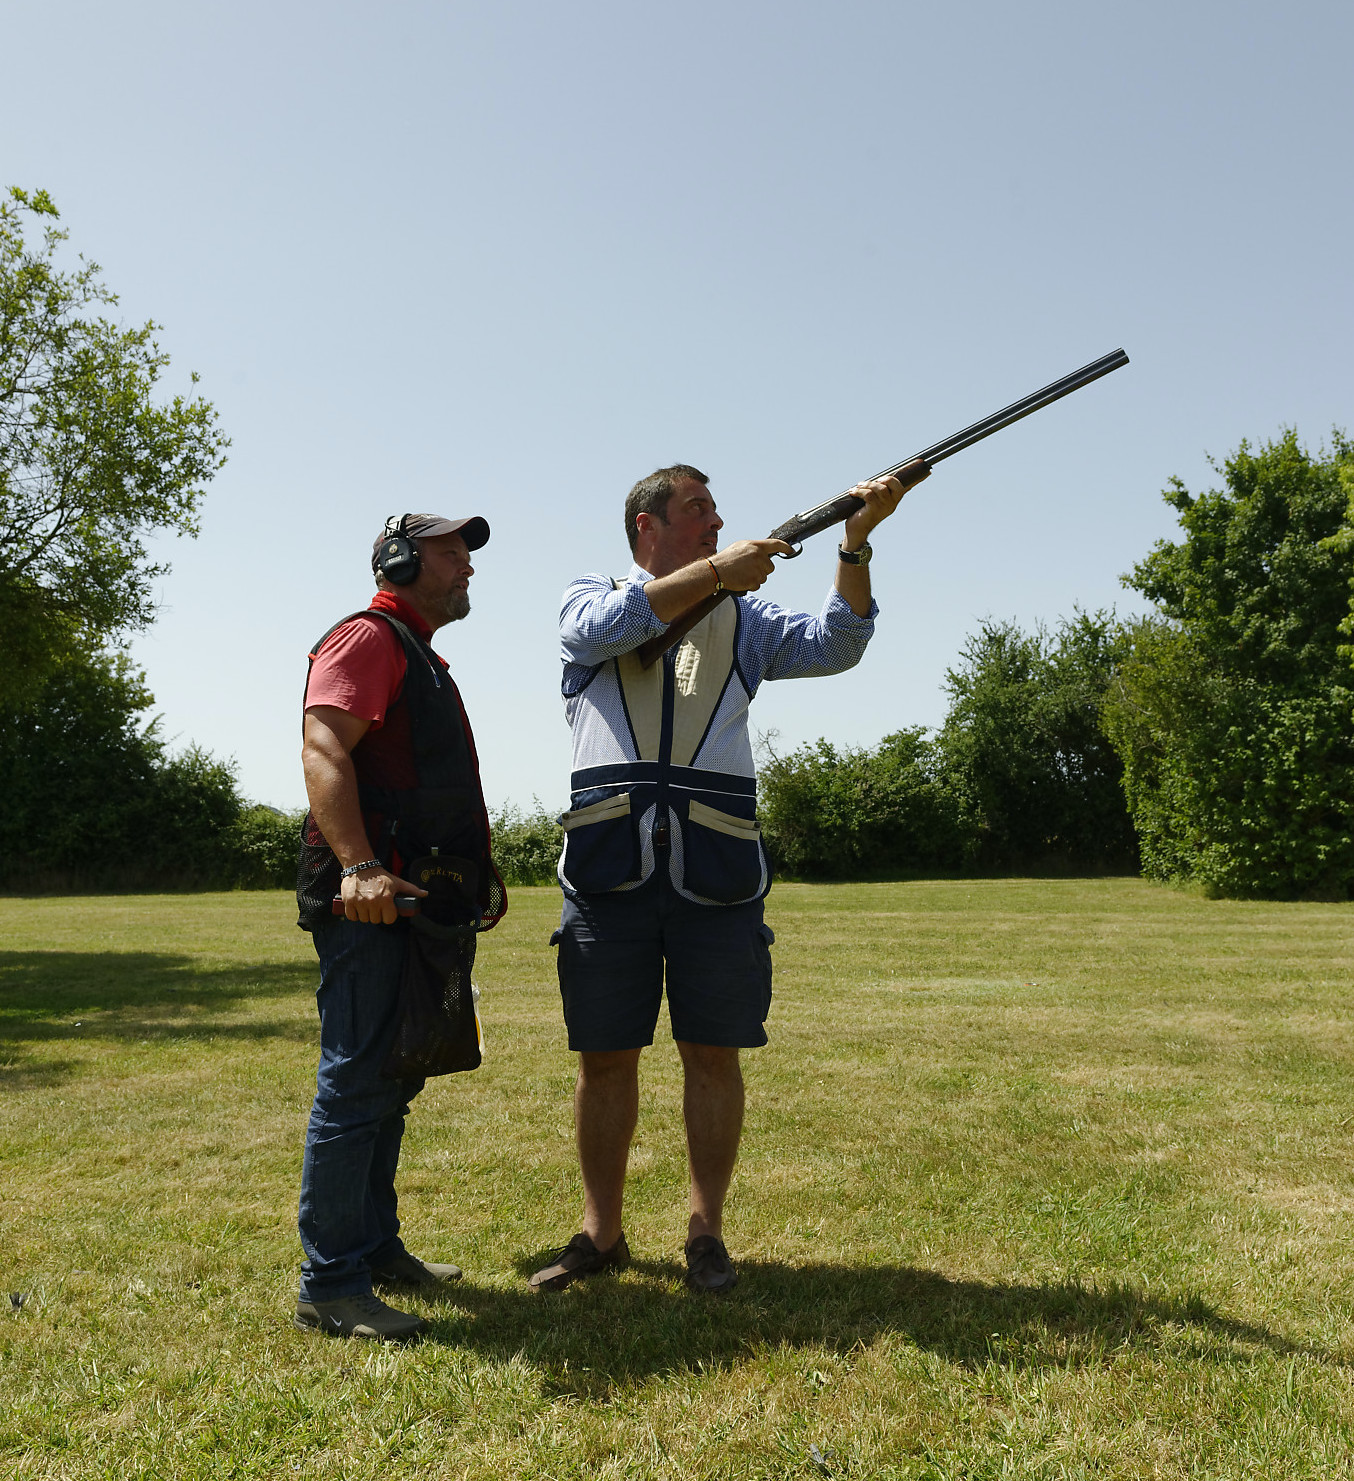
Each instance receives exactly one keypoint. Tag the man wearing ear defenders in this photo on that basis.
(392, 775)
(663, 867)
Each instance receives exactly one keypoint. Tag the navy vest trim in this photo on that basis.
(685, 778)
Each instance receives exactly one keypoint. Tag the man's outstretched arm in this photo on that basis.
(882, 497)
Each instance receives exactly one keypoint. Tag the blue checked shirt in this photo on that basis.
(599, 622)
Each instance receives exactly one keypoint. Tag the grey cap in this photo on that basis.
(474, 530)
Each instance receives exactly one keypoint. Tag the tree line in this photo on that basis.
(1209, 742)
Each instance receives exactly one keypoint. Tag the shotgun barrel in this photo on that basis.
(824, 516)
(833, 511)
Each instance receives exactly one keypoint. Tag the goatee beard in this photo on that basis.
(458, 605)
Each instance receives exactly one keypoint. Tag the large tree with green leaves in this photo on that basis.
(91, 459)
(1232, 714)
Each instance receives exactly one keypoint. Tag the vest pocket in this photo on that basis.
(601, 845)
(722, 855)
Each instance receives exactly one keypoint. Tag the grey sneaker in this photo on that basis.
(578, 1258)
(409, 1271)
(357, 1316)
(708, 1267)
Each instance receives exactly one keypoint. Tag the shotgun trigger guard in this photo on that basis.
(792, 555)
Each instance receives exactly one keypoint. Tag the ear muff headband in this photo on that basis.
(398, 559)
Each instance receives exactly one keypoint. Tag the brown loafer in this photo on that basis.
(708, 1267)
(579, 1258)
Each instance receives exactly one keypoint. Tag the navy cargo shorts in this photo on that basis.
(615, 950)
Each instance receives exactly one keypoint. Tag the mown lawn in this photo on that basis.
(1041, 1179)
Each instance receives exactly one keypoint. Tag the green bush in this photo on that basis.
(1021, 775)
(262, 845)
(526, 846)
(846, 813)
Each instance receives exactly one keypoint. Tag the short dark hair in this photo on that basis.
(650, 496)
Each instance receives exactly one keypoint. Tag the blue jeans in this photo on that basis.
(347, 1217)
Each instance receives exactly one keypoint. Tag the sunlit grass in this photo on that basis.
(1041, 1178)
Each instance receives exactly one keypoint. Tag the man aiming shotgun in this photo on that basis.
(824, 516)
(663, 869)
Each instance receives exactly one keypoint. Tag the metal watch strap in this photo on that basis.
(859, 557)
(358, 868)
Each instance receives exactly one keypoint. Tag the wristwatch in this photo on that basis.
(859, 557)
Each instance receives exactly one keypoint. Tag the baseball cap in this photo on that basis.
(474, 530)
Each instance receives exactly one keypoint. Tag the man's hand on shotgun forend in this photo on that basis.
(370, 896)
(882, 496)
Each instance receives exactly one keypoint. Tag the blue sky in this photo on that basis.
(508, 259)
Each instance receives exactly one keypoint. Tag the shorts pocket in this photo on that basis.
(766, 938)
(601, 845)
(722, 855)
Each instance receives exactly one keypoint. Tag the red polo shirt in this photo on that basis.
(360, 668)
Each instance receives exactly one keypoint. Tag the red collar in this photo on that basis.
(390, 601)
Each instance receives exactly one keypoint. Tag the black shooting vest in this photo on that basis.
(442, 812)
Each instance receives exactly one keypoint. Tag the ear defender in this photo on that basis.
(398, 559)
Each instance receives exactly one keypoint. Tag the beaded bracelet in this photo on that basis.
(358, 868)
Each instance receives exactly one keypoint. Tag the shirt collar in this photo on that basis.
(386, 600)
(639, 574)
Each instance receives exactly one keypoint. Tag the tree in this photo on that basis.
(92, 799)
(1232, 713)
(1020, 776)
(89, 460)
(1023, 745)
(95, 800)
(1341, 545)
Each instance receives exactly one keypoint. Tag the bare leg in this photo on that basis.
(712, 1105)
(606, 1106)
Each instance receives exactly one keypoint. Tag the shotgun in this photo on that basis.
(823, 516)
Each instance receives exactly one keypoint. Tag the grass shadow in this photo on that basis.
(16, 1073)
(48, 996)
(609, 1332)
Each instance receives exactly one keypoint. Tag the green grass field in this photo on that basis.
(1040, 1179)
